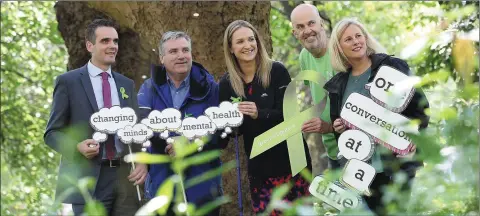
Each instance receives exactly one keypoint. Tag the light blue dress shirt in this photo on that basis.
(179, 94)
(96, 78)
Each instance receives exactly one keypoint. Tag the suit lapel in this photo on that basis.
(121, 83)
(87, 86)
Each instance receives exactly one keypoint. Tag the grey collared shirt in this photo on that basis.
(96, 78)
(179, 94)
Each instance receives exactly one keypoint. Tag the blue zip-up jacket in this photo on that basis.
(154, 94)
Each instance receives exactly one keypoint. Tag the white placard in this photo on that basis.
(392, 89)
(167, 119)
(333, 194)
(139, 134)
(358, 175)
(225, 115)
(386, 127)
(197, 127)
(355, 144)
(109, 120)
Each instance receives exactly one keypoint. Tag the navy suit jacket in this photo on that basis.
(73, 104)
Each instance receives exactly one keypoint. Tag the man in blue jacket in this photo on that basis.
(188, 87)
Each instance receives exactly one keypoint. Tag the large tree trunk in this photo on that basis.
(141, 26)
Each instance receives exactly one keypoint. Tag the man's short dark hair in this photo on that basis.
(92, 27)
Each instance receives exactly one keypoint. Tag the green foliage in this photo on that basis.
(185, 157)
(33, 53)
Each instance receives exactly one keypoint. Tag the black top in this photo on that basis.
(274, 162)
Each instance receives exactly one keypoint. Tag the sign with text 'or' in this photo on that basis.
(392, 89)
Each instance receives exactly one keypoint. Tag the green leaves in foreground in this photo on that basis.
(146, 158)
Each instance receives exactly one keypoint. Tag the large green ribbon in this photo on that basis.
(291, 128)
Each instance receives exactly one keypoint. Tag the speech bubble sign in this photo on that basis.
(386, 127)
(355, 144)
(167, 119)
(99, 137)
(333, 194)
(197, 127)
(225, 115)
(109, 120)
(358, 175)
(138, 133)
(392, 89)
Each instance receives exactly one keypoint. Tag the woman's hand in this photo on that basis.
(248, 108)
(338, 126)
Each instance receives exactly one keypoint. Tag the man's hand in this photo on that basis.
(89, 148)
(139, 174)
(316, 125)
(338, 126)
(169, 150)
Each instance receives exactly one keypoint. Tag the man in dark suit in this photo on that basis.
(77, 95)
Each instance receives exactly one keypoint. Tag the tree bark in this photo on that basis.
(141, 27)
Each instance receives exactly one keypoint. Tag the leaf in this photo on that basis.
(166, 191)
(146, 158)
(439, 76)
(95, 208)
(464, 58)
(152, 205)
(183, 147)
(210, 174)
(307, 175)
(280, 191)
(197, 159)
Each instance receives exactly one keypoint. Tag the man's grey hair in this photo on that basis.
(172, 35)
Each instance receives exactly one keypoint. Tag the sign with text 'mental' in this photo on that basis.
(386, 127)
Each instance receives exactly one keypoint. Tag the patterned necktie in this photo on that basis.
(107, 102)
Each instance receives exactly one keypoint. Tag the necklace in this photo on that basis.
(357, 78)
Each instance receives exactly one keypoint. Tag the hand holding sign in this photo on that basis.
(122, 120)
